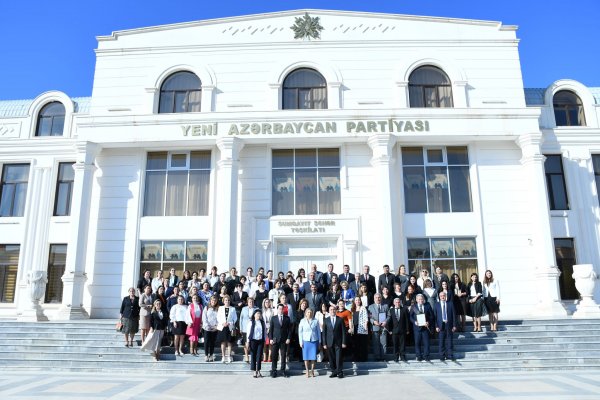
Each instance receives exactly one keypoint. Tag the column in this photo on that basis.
(35, 245)
(334, 95)
(350, 256)
(207, 101)
(546, 273)
(226, 223)
(75, 272)
(387, 219)
(264, 245)
(459, 89)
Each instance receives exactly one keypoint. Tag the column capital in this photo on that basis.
(86, 152)
(230, 148)
(527, 141)
(350, 244)
(264, 244)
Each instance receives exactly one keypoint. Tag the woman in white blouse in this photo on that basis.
(226, 319)
(179, 316)
(209, 324)
(491, 298)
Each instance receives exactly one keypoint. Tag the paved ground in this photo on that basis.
(524, 385)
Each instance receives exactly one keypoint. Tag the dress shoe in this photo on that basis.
(403, 359)
(333, 375)
(442, 359)
(419, 359)
(273, 374)
(340, 375)
(396, 360)
(427, 359)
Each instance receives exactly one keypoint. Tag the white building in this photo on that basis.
(389, 139)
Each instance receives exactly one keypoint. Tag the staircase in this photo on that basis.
(94, 346)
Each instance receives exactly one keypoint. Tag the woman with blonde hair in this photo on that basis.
(309, 336)
(145, 310)
(158, 324)
(267, 314)
(226, 319)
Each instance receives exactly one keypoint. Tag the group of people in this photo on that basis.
(310, 317)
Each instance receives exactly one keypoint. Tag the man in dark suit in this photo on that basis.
(386, 280)
(439, 277)
(445, 326)
(314, 299)
(399, 324)
(173, 279)
(312, 280)
(280, 334)
(368, 280)
(346, 275)
(334, 340)
(295, 297)
(326, 277)
(422, 332)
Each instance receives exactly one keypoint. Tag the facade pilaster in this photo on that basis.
(546, 273)
(75, 277)
(350, 256)
(34, 266)
(226, 221)
(387, 220)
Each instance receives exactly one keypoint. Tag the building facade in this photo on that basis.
(355, 138)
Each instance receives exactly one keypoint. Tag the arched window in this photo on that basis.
(568, 109)
(179, 93)
(51, 120)
(429, 87)
(304, 88)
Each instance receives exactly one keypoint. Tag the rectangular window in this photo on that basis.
(555, 181)
(596, 164)
(564, 249)
(56, 269)
(158, 255)
(9, 264)
(177, 183)
(436, 179)
(451, 254)
(306, 182)
(13, 190)
(64, 189)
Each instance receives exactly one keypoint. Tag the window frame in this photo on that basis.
(169, 168)
(4, 184)
(186, 92)
(41, 117)
(567, 107)
(70, 184)
(316, 167)
(4, 273)
(298, 89)
(444, 164)
(422, 89)
(550, 187)
(165, 263)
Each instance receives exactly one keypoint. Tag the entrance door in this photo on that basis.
(293, 254)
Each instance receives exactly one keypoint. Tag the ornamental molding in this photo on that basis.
(307, 27)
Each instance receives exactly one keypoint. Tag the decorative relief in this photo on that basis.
(364, 28)
(9, 131)
(307, 27)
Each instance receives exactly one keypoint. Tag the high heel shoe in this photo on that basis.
(259, 375)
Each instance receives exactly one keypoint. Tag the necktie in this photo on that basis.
(332, 321)
(397, 313)
(421, 308)
(295, 298)
(281, 320)
(444, 317)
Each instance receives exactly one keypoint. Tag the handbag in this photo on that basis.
(119, 326)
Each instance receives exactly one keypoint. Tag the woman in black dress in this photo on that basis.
(477, 308)
(130, 316)
(459, 298)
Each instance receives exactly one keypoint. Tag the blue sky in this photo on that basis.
(49, 45)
